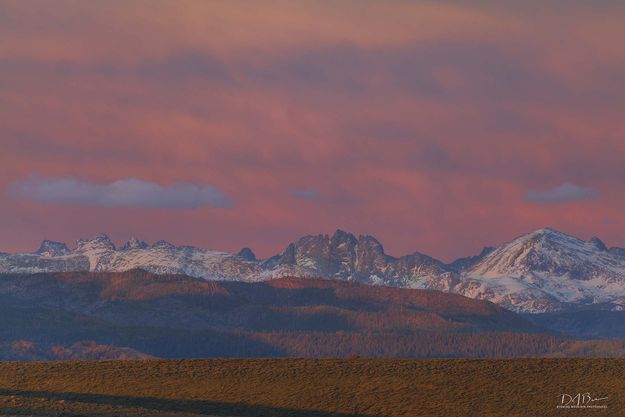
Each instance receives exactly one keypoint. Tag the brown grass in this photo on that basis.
(302, 387)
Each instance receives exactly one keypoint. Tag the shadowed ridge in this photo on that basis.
(138, 284)
(433, 299)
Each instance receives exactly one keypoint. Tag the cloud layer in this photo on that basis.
(562, 193)
(423, 123)
(128, 192)
(305, 193)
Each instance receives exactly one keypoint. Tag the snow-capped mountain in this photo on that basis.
(542, 271)
(545, 270)
(100, 255)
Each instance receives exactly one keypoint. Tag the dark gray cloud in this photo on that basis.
(383, 131)
(128, 192)
(562, 193)
(305, 193)
(180, 66)
(184, 65)
(336, 68)
(484, 71)
(444, 70)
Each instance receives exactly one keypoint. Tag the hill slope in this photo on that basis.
(179, 316)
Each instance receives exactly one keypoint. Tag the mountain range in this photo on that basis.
(543, 271)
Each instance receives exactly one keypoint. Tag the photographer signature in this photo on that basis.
(579, 399)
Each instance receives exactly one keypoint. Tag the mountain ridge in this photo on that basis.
(541, 271)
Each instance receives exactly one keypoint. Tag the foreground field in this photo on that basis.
(314, 388)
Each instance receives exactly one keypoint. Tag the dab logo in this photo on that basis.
(582, 400)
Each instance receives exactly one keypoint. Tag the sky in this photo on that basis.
(438, 127)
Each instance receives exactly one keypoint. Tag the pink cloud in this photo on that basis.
(424, 125)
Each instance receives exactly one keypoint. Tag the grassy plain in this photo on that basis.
(311, 388)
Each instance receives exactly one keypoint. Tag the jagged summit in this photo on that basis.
(598, 244)
(465, 263)
(163, 244)
(347, 257)
(52, 248)
(134, 243)
(546, 231)
(247, 254)
(101, 240)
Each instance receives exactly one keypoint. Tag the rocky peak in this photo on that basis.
(247, 254)
(332, 256)
(461, 264)
(286, 257)
(370, 256)
(102, 237)
(370, 244)
(163, 244)
(100, 241)
(134, 243)
(340, 237)
(52, 248)
(598, 243)
(545, 231)
(486, 250)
